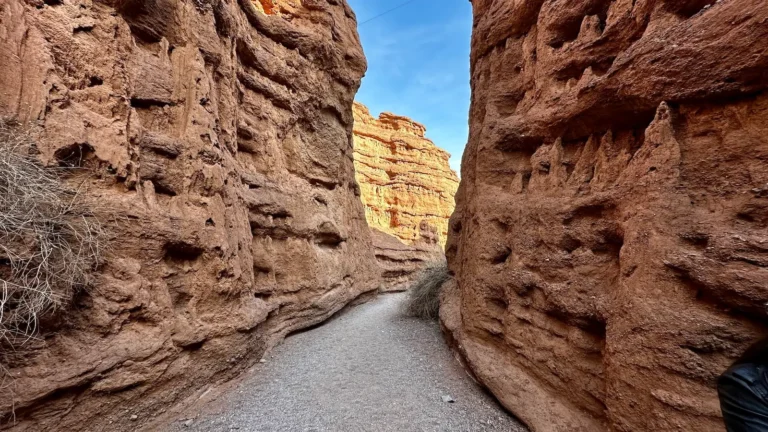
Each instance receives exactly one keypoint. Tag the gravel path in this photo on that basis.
(369, 369)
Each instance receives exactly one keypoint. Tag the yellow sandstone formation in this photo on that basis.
(404, 177)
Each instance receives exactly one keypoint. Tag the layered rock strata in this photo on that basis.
(609, 237)
(401, 263)
(404, 177)
(219, 133)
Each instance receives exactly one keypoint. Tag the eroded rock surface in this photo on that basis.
(609, 242)
(401, 263)
(220, 133)
(404, 177)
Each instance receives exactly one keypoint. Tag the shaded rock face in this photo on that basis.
(401, 263)
(404, 177)
(220, 133)
(609, 237)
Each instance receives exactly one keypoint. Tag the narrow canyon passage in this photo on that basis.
(369, 369)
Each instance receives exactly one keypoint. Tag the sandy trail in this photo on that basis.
(369, 369)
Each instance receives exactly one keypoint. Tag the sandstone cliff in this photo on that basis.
(401, 263)
(404, 177)
(220, 135)
(609, 238)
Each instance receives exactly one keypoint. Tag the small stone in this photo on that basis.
(262, 361)
(447, 399)
(134, 417)
(188, 423)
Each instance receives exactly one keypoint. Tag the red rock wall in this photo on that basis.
(609, 242)
(220, 133)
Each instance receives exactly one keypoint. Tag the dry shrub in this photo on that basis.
(50, 239)
(424, 293)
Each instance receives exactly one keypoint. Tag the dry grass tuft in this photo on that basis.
(424, 293)
(50, 239)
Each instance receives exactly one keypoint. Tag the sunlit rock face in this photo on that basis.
(219, 135)
(609, 240)
(404, 178)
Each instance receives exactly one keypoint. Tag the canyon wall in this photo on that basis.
(404, 177)
(402, 263)
(609, 241)
(219, 136)
(407, 187)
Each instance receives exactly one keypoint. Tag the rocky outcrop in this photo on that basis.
(220, 137)
(401, 263)
(408, 188)
(609, 237)
(404, 177)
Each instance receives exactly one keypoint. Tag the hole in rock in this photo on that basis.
(611, 242)
(148, 103)
(569, 243)
(320, 200)
(328, 240)
(568, 29)
(182, 251)
(73, 155)
(456, 226)
(82, 29)
(588, 323)
(603, 66)
(526, 179)
(688, 8)
(637, 142)
(163, 188)
(500, 256)
(326, 184)
(82, 300)
(195, 346)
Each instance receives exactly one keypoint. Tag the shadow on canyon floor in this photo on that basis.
(369, 369)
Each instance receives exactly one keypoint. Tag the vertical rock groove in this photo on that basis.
(607, 241)
(220, 134)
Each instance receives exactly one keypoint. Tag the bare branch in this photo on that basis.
(50, 238)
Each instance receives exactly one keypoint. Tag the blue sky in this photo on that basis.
(418, 65)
